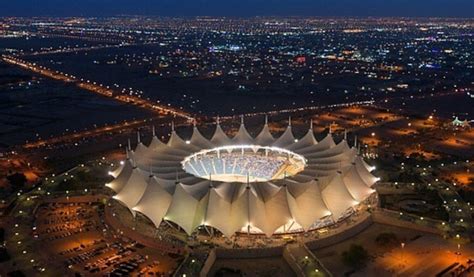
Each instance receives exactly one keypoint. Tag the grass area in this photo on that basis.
(84, 178)
(432, 207)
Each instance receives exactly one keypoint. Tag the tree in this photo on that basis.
(16, 273)
(17, 180)
(4, 256)
(356, 257)
(386, 239)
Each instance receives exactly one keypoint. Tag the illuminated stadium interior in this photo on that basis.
(244, 163)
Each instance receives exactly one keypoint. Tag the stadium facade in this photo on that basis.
(249, 184)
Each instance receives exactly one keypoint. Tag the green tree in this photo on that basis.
(356, 257)
(17, 180)
(386, 239)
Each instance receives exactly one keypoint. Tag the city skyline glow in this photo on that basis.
(398, 8)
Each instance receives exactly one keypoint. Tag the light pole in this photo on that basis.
(403, 246)
(458, 253)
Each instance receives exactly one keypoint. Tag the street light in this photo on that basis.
(403, 246)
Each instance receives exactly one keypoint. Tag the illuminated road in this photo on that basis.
(348, 104)
(97, 88)
(157, 108)
(74, 49)
(70, 138)
(84, 49)
(300, 109)
(82, 37)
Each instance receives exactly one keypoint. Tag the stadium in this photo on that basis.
(244, 184)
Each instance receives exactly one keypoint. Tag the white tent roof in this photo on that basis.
(199, 140)
(285, 139)
(264, 191)
(134, 189)
(240, 213)
(324, 144)
(154, 202)
(265, 137)
(306, 141)
(368, 178)
(308, 206)
(185, 210)
(122, 177)
(140, 151)
(355, 185)
(220, 138)
(242, 136)
(190, 201)
(156, 144)
(270, 215)
(218, 215)
(177, 142)
(337, 198)
(116, 172)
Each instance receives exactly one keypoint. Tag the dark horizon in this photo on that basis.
(243, 8)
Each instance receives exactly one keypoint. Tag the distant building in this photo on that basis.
(458, 123)
(300, 59)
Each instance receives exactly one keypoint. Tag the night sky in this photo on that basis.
(423, 8)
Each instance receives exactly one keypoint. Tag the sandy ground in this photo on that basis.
(424, 256)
